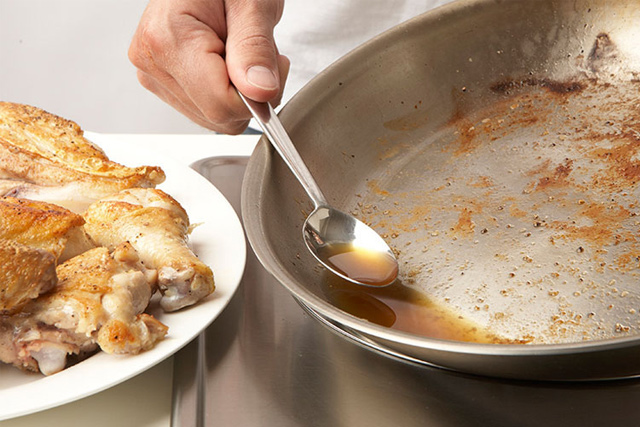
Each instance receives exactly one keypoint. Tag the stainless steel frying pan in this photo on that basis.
(496, 144)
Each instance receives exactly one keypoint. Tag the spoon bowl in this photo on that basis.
(349, 248)
(343, 244)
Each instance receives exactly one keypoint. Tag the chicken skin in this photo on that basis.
(99, 302)
(46, 157)
(157, 227)
(25, 273)
(34, 238)
(43, 225)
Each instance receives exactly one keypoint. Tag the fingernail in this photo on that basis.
(262, 77)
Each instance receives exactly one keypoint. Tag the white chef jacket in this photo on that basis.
(315, 33)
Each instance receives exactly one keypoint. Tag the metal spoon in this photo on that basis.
(342, 243)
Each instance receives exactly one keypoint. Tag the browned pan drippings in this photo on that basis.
(525, 220)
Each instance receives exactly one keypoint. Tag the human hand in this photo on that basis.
(191, 54)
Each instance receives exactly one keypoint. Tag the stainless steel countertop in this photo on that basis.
(266, 362)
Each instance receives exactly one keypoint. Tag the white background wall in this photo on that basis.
(70, 58)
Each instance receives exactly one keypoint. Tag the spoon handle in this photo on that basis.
(277, 135)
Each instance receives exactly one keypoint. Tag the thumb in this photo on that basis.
(251, 53)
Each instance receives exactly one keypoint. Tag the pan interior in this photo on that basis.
(523, 217)
(496, 146)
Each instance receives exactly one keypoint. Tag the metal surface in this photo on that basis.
(326, 227)
(264, 362)
(496, 144)
(276, 133)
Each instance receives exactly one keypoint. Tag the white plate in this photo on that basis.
(219, 241)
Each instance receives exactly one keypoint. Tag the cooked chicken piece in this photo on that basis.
(39, 150)
(34, 237)
(157, 227)
(99, 301)
(43, 225)
(7, 185)
(71, 196)
(25, 273)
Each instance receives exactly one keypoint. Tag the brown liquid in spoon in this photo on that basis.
(366, 266)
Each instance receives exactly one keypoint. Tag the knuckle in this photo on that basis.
(219, 116)
(146, 82)
(234, 127)
(256, 41)
(148, 43)
(223, 116)
(267, 9)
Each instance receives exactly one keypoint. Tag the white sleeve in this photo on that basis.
(314, 33)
